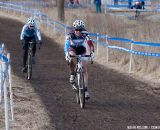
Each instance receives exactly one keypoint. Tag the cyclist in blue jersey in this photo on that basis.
(78, 43)
(29, 32)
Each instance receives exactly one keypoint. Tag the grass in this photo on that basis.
(144, 29)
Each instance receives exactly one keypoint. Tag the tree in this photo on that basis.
(60, 9)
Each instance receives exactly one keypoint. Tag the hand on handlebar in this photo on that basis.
(23, 42)
(67, 57)
(39, 44)
(92, 55)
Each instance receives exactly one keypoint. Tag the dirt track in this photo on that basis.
(47, 102)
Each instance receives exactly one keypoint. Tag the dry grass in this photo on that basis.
(144, 29)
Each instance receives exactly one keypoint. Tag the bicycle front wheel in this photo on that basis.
(77, 90)
(81, 89)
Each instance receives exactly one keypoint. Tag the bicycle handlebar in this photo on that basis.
(30, 42)
(77, 56)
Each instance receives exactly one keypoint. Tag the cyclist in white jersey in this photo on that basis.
(29, 32)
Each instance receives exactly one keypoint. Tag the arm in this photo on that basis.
(90, 44)
(22, 33)
(67, 44)
(38, 34)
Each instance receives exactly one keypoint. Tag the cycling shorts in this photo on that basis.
(79, 50)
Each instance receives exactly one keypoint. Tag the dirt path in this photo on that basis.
(47, 102)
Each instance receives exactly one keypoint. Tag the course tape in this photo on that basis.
(3, 57)
(27, 3)
(98, 35)
(130, 51)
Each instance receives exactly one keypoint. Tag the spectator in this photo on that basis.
(77, 2)
(142, 3)
(115, 2)
(130, 4)
(98, 6)
(71, 1)
(71, 4)
(138, 5)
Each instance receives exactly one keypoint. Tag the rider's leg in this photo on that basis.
(72, 67)
(89, 49)
(25, 53)
(84, 62)
(34, 49)
(33, 53)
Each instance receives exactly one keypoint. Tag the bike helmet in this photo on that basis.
(79, 24)
(31, 21)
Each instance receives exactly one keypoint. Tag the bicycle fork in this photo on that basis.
(79, 76)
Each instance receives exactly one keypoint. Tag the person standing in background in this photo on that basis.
(115, 2)
(77, 2)
(130, 4)
(142, 3)
(98, 6)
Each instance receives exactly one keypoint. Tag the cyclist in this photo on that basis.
(78, 42)
(29, 32)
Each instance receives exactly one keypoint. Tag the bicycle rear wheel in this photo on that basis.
(29, 66)
(81, 90)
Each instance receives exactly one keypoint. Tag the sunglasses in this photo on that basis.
(78, 30)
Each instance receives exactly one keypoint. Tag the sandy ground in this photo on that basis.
(47, 102)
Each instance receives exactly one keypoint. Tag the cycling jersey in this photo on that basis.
(72, 41)
(28, 33)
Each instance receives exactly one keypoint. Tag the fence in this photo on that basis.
(62, 28)
(5, 84)
(124, 3)
(56, 25)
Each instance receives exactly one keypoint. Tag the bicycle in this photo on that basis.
(29, 60)
(79, 84)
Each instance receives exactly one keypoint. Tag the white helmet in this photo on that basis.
(31, 21)
(79, 24)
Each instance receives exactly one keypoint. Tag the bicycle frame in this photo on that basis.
(29, 61)
(79, 82)
(79, 69)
